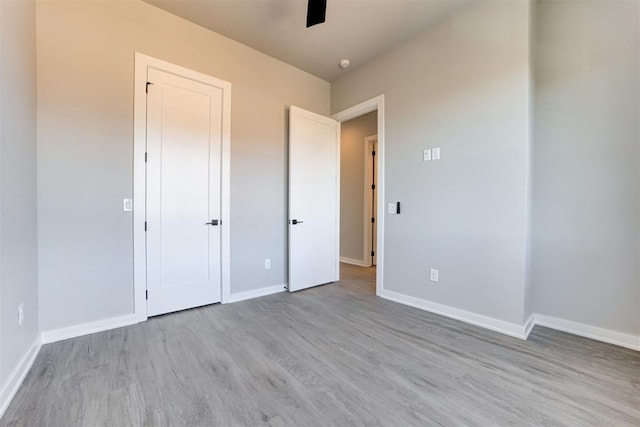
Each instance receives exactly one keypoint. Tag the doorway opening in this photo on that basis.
(358, 194)
(362, 191)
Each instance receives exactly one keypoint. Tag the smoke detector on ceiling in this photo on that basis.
(345, 63)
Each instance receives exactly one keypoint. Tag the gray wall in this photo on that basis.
(352, 174)
(464, 86)
(85, 123)
(18, 232)
(586, 167)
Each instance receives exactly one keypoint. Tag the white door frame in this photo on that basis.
(365, 107)
(367, 200)
(142, 64)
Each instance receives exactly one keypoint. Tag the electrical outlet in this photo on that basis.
(267, 264)
(20, 314)
(433, 275)
(435, 153)
(426, 155)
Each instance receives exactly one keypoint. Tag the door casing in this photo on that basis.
(142, 64)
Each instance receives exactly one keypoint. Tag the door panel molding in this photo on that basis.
(142, 64)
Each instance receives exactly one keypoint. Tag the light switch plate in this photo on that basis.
(426, 155)
(391, 208)
(127, 205)
(435, 153)
(433, 275)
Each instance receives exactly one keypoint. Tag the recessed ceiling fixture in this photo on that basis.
(345, 63)
(316, 12)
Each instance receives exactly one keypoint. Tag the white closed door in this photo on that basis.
(184, 136)
(314, 165)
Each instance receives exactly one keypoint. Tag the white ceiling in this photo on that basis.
(355, 29)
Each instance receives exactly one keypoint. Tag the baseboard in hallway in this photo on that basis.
(353, 261)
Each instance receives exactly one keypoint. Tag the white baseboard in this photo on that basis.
(10, 387)
(131, 319)
(593, 332)
(88, 328)
(515, 330)
(507, 328)
(255, 293)
(352, 261)
(529, 324)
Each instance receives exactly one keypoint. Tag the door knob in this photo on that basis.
(213, 222)
(295, 221)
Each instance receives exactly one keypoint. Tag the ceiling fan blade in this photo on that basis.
(316, 12)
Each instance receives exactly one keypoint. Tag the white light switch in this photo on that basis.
(391, 208)
(435, 153)
(433, 275)
(426, 155)
(127, 205)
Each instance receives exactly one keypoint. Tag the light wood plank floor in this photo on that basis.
(332, 355)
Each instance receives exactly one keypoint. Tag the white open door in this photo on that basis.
(184, 136)
(314, 194)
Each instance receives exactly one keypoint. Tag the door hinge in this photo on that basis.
(146, 89)
(373, 186)
(145, 226)
(373, 153)
(146, 156)
(146, 295)
(373, 220)
(373, 253)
